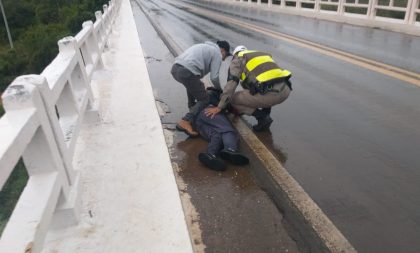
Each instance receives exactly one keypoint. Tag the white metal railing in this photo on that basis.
(393, 14)
(43, 117)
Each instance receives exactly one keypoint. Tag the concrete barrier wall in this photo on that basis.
(372, 13)
(43, 117)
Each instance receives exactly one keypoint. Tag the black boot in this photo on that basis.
(263, 118)
(211, 162)
(234, 157)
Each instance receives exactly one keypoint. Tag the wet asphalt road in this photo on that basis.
(233, 213)
(348, 135)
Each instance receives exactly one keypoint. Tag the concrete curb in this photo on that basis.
(312, 226)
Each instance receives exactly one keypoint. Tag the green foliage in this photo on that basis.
(20, 15)
(36, 48)
(36, 26)
(11, 65)
(73, 23)
(356, 10)
(327, 7)
(390, 14)
(10, 193)
(39, 45)
(76, 18)
(48, 14)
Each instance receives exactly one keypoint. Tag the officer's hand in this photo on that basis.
(211, 112)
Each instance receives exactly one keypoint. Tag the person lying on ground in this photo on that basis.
(222, 137)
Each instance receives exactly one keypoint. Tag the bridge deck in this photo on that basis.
(130, 201)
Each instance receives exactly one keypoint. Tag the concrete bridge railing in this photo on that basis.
(43, 117)
(396, 15)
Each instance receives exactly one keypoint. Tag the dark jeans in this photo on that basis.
(218, 131)
(195, 91)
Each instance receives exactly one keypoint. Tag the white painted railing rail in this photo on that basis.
(43, 117)
(397, 15)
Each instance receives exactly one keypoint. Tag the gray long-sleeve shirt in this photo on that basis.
(202, 59)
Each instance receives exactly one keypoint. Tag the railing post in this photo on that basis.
(67, 212)
(21, 94)
(317, 7)
(41, 83)
(112, 10)
(371, 12)
(83, 80)
(340, 8)
(32, 216)
(106, 19)
(283, 3)
(101, 29)
(92, 42)
(410, 16)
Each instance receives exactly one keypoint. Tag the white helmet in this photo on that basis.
(238, 49)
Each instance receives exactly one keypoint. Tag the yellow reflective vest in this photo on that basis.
(260, 68)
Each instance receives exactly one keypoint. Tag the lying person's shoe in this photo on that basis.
(234, 157)
(186, 127)
(211, 162)
(263, 124)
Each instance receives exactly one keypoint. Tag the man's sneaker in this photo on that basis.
(263, 124)
(185, 126)
(211, 162)
(234, 157)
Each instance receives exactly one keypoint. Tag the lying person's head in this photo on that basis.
(214, 96)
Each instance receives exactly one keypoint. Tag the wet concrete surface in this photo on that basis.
(234, 214)
(348, 135)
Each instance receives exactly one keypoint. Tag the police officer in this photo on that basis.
(265, 85)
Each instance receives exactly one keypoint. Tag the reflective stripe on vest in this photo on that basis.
(260, 67)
